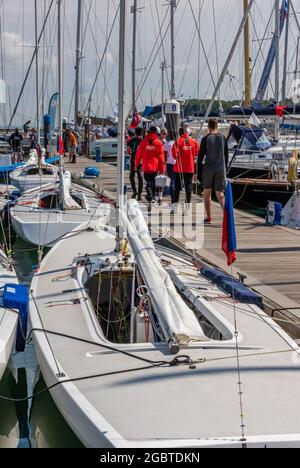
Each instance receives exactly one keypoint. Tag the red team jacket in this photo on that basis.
(185, 151)
(151, 153)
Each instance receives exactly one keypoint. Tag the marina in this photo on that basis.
(149, 225)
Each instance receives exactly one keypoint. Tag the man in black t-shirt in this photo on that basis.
(133, 145)
(15, 141)
(213, 161)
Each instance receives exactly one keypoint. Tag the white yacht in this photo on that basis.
(44, 216)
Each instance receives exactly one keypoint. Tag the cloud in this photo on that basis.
(16, 49)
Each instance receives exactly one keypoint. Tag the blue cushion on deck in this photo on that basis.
(237, 290)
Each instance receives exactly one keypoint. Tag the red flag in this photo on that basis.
(280, 110)
(136, 120)
(60, 146)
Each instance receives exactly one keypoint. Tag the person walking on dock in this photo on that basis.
(15, 141)
(151, 154)
(33, 138)
(184, 152)
(213, 160)
(133, 146)
(170, 162)
(71, 143)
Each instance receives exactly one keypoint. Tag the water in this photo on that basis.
(36, 424)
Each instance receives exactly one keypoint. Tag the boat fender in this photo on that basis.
(92, 173)
(274, 214)
(17, 297)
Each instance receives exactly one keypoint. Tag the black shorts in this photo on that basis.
(214, 179)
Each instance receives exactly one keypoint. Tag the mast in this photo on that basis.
(134, 10)
(228, 61)
(286, 48)
(247, 58)
(277, 64)
(173, 8)
(37, 74)
(29, 69)
(60, 81)
(163, 68)
(78, 61)
(121, 126)
(296, 69)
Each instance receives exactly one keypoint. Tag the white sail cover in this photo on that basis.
(179, 320)
(66, 183)
(291, 212)
(33, 158)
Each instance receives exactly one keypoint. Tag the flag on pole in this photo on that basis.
(53, 105)
(136, 120)
(60, 146)
(280, 111)
(229, 243)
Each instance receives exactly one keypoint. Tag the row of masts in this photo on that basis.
(279, 98)
(173, 5)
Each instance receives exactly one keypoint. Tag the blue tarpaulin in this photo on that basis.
(17, 297)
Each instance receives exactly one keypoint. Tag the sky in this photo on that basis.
(218, 20)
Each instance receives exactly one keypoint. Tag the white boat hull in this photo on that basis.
(46, 233)
(8, 326)
(168, 406)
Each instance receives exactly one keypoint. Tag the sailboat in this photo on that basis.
(8, 318)
(141, 350)
(45, 215)
(35, 173)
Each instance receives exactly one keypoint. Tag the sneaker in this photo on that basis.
(174, 209)
(134, 195)
(208, 221)
(140, 198)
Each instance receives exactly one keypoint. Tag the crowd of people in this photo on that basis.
(155, 152)
(183, 160)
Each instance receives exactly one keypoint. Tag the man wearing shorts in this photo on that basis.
(213, 159)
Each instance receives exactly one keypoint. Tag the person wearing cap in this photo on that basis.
(151, 154)
(184, 153)
(213, 160)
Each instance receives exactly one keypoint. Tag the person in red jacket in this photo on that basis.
(184, 152)
(151, 154)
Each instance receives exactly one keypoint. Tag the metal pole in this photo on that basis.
(295, 14)
(29, 68)
(247, 58)
(60, 80)
(78, 61)
(228, 61)
(296, 68)
(173, 8)
(37, 74)
(163, 67)
(286, 49)
(277, 65)
(277, 59)
(134, 9)
(121, 126)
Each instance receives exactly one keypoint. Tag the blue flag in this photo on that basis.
(229, 243)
